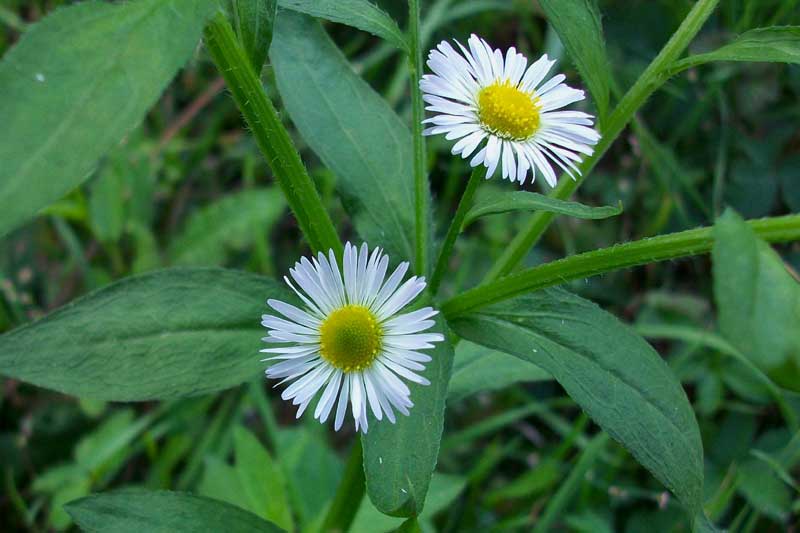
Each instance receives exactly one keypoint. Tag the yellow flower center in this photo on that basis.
(350, 338)
(508, 112)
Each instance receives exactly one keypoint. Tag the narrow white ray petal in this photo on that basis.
(341, 408)
(328, 398)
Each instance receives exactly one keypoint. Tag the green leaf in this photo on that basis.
(172, 333)
(233, 221)
(578, 25)
(757, 299)
(76, 83)
(262, 479)
(221, 482)
(360, 14)
(136, 511)
(253, 21)
(444, 489)
(399, 459)
(531, 201)
(610, 371)
(351, 128)
(106, 206)
(476, 368)
(777, 44)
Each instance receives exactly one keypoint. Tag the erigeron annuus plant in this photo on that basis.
(352, 332)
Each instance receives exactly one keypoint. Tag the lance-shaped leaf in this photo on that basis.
(610, 371)
(360, 14)
(399, 458)
(172, 333)
(776, 44)
(135, 511)
(75, 84)
(351, 128)
(532, 201)
(578, 25)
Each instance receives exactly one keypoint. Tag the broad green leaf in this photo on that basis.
(262, 479)
(532, 201)
(578, 25)
(171, 333)
(361, 14)
(399, 459)
(444, 489)
(351, 128)
(763, 489)
(75, 84)
(136, 511)
(610, 371)
(778, 44)
(758, 301)
(476, 368)
(231, 222)
(253, 21)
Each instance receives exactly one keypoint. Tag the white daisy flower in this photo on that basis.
(480, 95)
(350, 340)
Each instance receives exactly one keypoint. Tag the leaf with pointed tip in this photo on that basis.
(531, 201)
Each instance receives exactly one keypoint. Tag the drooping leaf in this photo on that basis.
(776, 44)
(233, 221)
(75, 84)
(578, 25)
(136, 511)
(167, 334)
(361, 14)
(261, 479)
(758, 301)
(476, 368)
(351, 128)
(532, 201)
(611, 372)
(253, 21)
(399, 459)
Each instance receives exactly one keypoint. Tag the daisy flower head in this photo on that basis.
(350, 340)
(478, 94)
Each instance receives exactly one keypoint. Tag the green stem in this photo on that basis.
(455, 228)
(661, 248)
(651, 79)
(271, 136)
(348, 495)
(417, 114)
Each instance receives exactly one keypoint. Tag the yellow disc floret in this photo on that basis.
(508, 112)
(350, 338)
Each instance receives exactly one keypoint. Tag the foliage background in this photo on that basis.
(189, 187)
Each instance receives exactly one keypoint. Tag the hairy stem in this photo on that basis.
(348, 494)
(271, 136)
(671, 246)
(417, 114)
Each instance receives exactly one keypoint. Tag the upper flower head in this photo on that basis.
(481, 95)
(350, 339)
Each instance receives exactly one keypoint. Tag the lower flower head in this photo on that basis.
(479, 95)
(350, 341)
